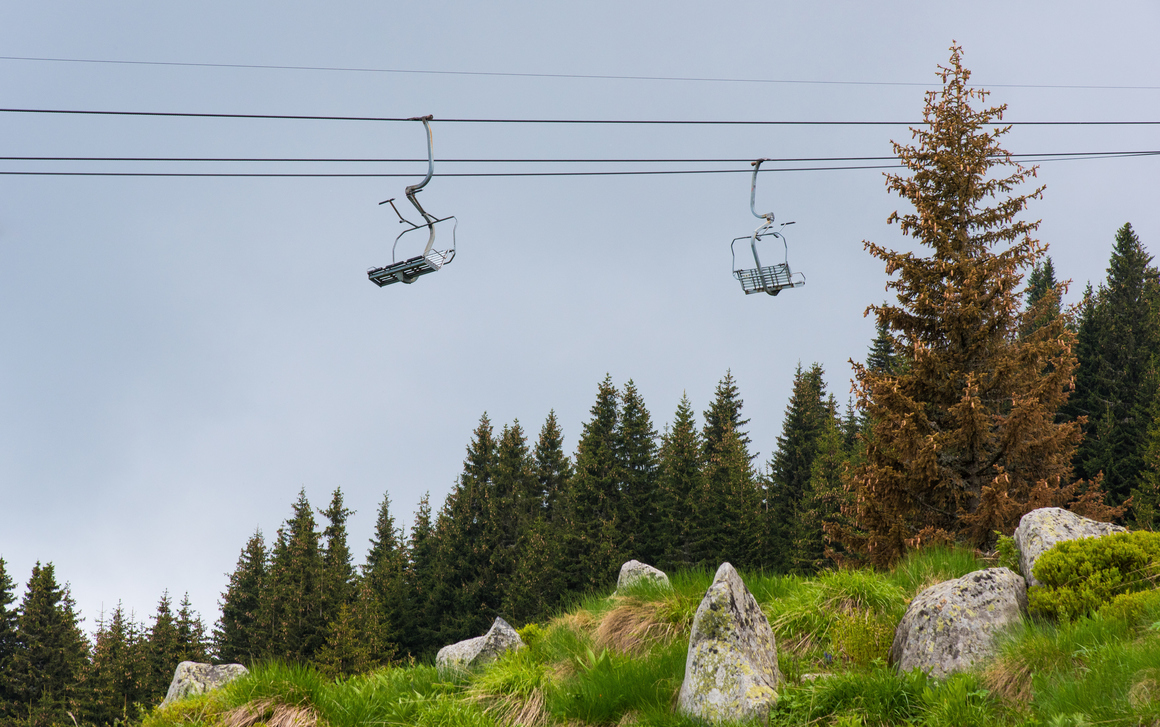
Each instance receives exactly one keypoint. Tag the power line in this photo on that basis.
(364, 160)
(667, 122)
(583, 76)
(616, 173)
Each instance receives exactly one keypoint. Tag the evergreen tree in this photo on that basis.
(1146, 496)
(823, 501)
(384, 575)
(515, 503)
(636, 453)
(964, 439)
(338, 577)
(51, 652)
(883, 357)
(807, 417)
(591, 530)
(118, 679)
(191, 633)
(1043, 296)
(9, 619)
(417, 634)
(293, 596)
(553, 468)
(163, 650)
(725, 412)
(357, 641)
(239, 637)
(464, 597)
(679, 482)
(1119, 336)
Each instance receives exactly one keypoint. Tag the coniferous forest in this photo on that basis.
(980, 398)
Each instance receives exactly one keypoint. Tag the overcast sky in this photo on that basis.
(181, 355)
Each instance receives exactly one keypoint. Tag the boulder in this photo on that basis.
(499, 639)
(634, 571)
(1040, 529)
(192, 678)
(953, 625)
(731, 670)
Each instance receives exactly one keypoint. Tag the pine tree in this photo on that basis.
(238, 636)
(191, 633)
(417, 635)
(963, 439)
(163, 650)
(823, 501)
(1119, 336)
(464, 596)
(679, 482)
(553, 468)
(118, 679)
(591, 531)
(9, 619)
(338, 577)
(807, 417)
(636, 454)
(293, 596)
(384, 573)
(51, 652)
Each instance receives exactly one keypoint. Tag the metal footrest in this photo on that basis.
(408, 270)
(772, 279)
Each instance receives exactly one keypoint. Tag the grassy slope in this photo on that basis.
(608, 661)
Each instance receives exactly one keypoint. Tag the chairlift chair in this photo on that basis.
(771, 279)
(431, 260)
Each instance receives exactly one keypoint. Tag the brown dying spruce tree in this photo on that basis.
(963, 438)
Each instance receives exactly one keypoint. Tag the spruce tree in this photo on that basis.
(636, 454)
(238, 636)
(191, 633)
(357, 641)
(807, 416)
(51, 652)
(883, 357)
(553, 468)
(1146, 495)
(417, 635)
(591, 529)
(823, 503)
(338, 577)
(464, 596)
(163, 649)
(514, 505)
(293, 596)
(1119, 337)
(679, 482)
(9, 619)
(725, 412)
(964, 439)
(1043, 296)
(118, 679)
(383, 575)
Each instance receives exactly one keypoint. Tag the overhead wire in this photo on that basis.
(600, 122)
(583, 76)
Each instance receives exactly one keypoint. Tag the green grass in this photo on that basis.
(1100, 669)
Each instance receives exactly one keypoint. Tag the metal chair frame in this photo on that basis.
(431, 260)
(770, 279)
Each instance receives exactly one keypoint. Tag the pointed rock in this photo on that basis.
(1041, 529)
(731, 670)
(953, 625)
(192, 678)
(634, 571)
(466, 655)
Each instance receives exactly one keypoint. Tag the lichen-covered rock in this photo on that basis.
(192, 678)
(466, 655)
(952, 625)
(634, 571)
(731, 670)
(1040, 529)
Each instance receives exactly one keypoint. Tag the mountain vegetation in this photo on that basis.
(980, 397)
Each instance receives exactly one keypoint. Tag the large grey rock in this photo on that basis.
(953, 625)
(499, 639)
(1040, 529)
(634, 571)
(731, 670)
(192, 678)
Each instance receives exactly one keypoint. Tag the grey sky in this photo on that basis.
(182, 355)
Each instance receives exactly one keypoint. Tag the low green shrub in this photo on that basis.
(1135, 608)
(863, 636)
(1008, 553)
(1080, 576)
